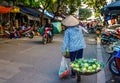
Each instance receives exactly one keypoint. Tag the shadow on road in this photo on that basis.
(35, 42)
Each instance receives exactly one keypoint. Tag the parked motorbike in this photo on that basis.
(19, 33)
(26, 33)
(105, 38)
(47, 36)
(114, 64)
(114, 61)
(10, 35)
(109, 37)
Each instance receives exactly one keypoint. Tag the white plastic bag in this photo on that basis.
(64, 69)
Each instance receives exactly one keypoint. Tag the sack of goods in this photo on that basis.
(87, 66)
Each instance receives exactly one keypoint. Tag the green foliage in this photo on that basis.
(72, 9)
(73, 5)
(95, 4)
(29, 3)
(84, 13)
(0, 1)
(97, 14)
(26, 2)
(54, 1)
(51, 5)
(35, 4)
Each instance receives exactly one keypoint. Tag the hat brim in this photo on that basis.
(70, 21)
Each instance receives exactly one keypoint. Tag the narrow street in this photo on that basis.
(25, 59)
(29, 61)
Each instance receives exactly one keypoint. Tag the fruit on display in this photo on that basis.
(86, 65)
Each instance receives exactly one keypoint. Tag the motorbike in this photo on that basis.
(26, 33)
(109, 37)
(105, 38)
(19, 33)
(114, 61)
(47, 36)
(114, 64)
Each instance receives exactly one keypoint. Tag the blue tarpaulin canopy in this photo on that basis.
(103, 10)
(50, 14)
(30, 11)
(114, 5)
(112, 8)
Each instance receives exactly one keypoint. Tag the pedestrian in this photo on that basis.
(73, 40)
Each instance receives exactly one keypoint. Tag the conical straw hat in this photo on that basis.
(70, 21)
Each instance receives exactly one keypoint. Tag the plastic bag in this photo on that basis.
(64, 69)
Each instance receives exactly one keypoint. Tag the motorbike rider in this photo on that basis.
(49, 28)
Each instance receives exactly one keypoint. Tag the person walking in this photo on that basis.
(73, 40)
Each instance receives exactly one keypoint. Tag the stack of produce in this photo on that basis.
(86, 65)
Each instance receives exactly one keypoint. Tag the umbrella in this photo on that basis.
(57, 27)
(41, 30)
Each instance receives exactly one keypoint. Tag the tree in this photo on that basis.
(44, 4)
(0, 1)
(73, 5)
(96, 5)
(58, 7)
(84, 13)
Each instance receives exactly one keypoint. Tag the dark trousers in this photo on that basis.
(75, 55)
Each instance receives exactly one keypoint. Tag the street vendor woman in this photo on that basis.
(73, 39)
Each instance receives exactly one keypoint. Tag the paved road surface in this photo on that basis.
(29, 61)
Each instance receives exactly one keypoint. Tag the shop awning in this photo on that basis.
(111, 9)
(4, 10)
(50, 15)
(30, 17)
(30, 11)
(33, 18)
(15, 10)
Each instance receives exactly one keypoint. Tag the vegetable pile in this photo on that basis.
(86, 65)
